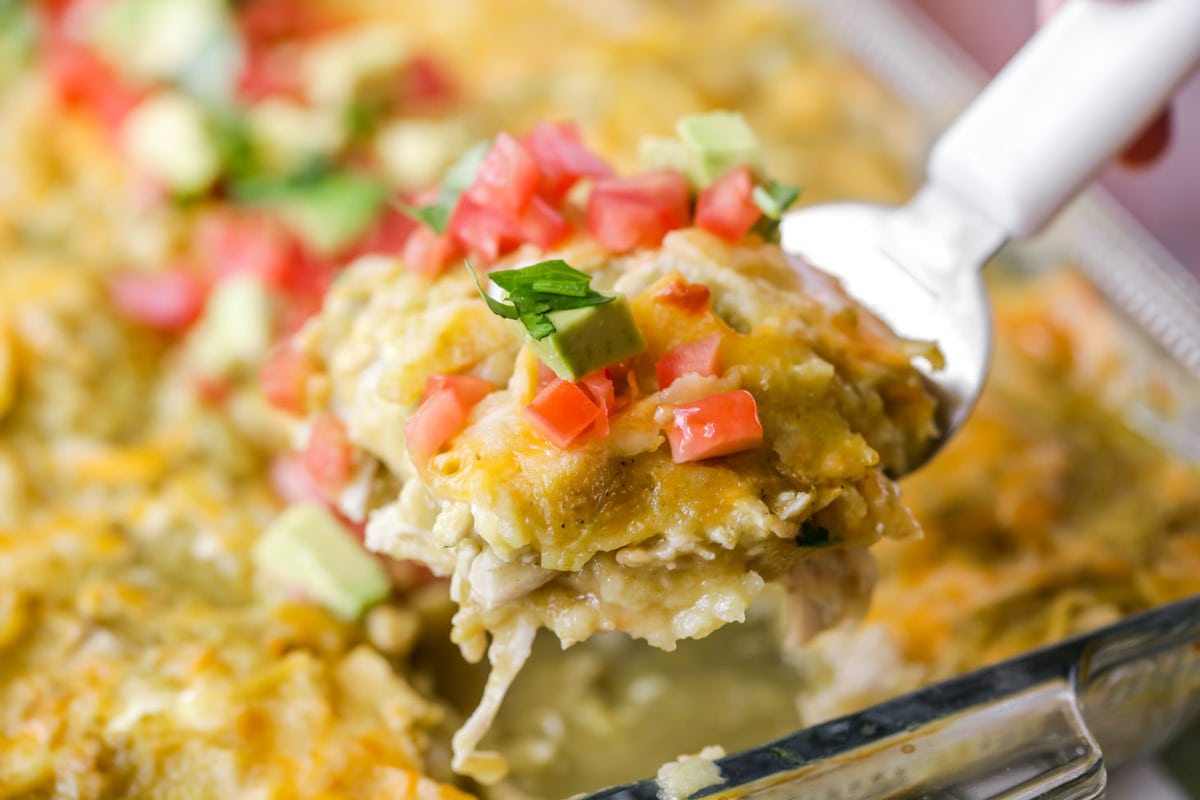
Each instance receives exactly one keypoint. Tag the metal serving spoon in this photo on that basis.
(1074, 96)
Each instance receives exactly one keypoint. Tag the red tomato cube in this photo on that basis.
(428, 85)
(717, 425)
(507, 178)
(85, 81)
(543, 225)
(467, 388)
(440, 416)
(388, 235)
(427, 253)
(726, 208)
(282, 379)
(165, 301)
(701, 357)
(270, 71)
(483, 232)
(562, 158)
(546, 376)
(290, 479)
(273, 20)
(600, 388)
(562, 412)
(329, 454)
(237, 242)
(626, 213)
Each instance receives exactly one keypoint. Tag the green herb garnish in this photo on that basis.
(814, 535)
(458, 178)
(537, 290)
(774, 198)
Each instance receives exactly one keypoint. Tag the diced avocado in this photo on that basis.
(213, 72)
(168, 137)
(235, 331)
(586, 339)
(192, 42)
(18, 37)
(339, 67)
(328, 210)
(717, 141)
(663, 152)
(286, 135)
(308, 549)
(415, 152)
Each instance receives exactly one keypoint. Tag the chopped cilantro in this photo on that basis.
(328, 208)
(537, 290)
(773, 199)
(458, 178)
(814, 535)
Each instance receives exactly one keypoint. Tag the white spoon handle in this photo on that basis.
(1075, 95)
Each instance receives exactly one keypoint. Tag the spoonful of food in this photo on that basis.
(1069, 101)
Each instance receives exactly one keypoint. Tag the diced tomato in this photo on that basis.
(507, 178)
(726, 208)
(428, 85)
(273, 20)
(242, 242)
(600, 388)
(701, 357)
(388, 235)
(626, 213)
(84, 81)
(165, 301)
(282, 378)
(440, 416)
(562, 412)
(467, 388)
(54, 11)
(717, 425)
(600, 428)
(546, 376)
(328, 456)
(447, 401)
(427, 253)
(543, 225)
(292, 482)
(270, 71)
(562, 158)
(304, 288)
(483, 232)
(692, 298)
(213, 390)
(270, 29)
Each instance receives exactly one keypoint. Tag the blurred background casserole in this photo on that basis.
(143, 653)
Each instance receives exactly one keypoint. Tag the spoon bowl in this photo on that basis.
(1071, 99)
(907, 268)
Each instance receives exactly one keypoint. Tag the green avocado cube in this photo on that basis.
(586, 339)
(307, 549)
(236, 329)
(663, 152)
(717, 142)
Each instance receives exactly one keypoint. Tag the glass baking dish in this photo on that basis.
(1048, 723)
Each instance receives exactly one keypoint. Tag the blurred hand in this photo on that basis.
(1152, 142)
